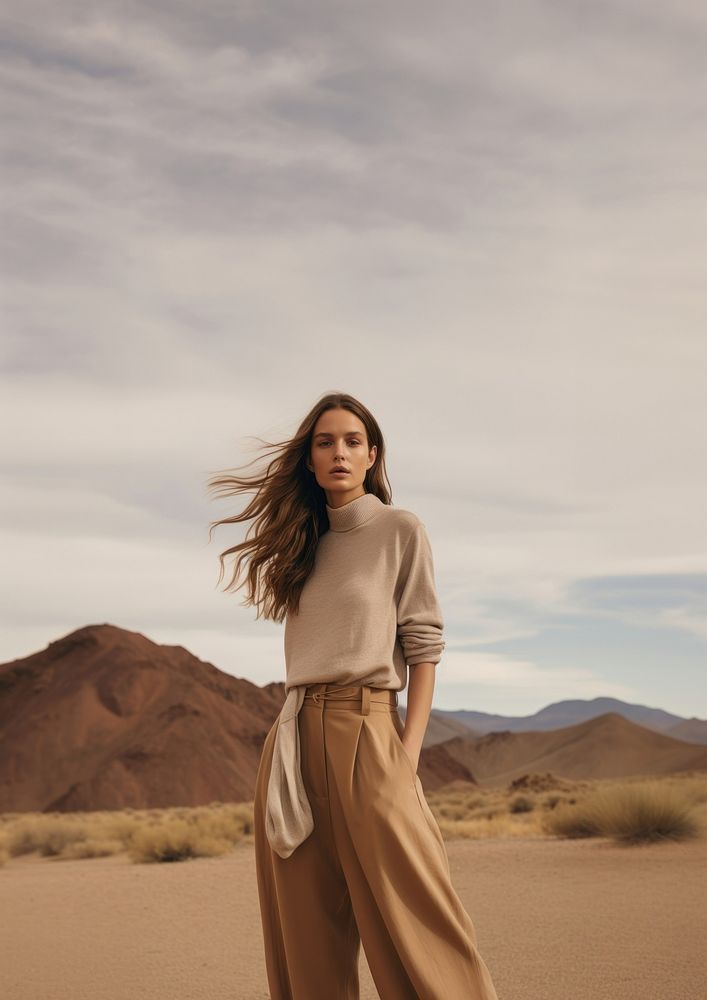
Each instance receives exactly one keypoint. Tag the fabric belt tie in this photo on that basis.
(288, 814)
(363, 696)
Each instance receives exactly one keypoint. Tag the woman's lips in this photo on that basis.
(339, 473)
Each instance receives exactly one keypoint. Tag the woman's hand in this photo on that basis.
(412, 749)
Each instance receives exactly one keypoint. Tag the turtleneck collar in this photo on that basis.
(353, 513)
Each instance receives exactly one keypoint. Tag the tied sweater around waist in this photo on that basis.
(367, 610)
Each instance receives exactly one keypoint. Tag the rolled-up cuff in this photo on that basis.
(421, 644)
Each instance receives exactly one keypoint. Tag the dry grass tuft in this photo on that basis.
(176, 840)
(631, 813)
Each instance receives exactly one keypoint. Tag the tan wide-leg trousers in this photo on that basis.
(373, 871)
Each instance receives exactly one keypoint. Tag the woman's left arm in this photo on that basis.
(419, 702)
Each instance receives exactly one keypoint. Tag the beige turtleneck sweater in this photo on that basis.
(368, 608)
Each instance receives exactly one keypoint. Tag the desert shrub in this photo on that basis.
(452, 810)
(92, 848)
(572, 821)
(521, 804)
(22, 838)
(628, 813)
(175, 840)
(119, 828)
(648, 812)
(48, 834)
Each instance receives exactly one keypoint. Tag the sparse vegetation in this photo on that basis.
(470, 812)
(633, 810)
(633, 813)
(144, 835)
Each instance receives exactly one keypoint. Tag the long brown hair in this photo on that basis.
(288, 512)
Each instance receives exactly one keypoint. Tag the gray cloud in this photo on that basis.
(485, 222)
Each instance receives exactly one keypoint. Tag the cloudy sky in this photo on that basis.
(485, 221)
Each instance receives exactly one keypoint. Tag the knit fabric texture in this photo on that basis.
(368, 609)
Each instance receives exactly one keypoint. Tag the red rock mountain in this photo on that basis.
(104, 718)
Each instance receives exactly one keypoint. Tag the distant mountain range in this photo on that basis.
(605, 746)
(560, 714)
(104, 718)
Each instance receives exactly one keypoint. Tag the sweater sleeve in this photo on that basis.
(419, 616)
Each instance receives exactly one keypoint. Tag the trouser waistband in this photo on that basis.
(352, 696)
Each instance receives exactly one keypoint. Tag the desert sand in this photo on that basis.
(556, 920)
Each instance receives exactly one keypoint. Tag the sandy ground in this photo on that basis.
(556, 920)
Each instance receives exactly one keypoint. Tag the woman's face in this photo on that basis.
(339, 439)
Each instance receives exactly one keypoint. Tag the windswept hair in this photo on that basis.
(288, 512)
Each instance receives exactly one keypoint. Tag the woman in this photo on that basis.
(347, 849)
